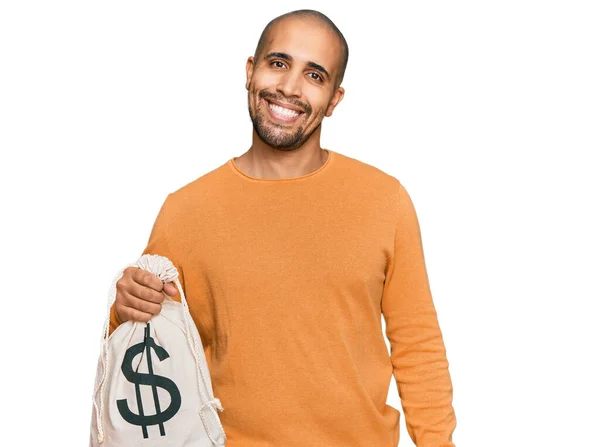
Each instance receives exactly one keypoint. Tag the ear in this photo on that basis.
(335, 100)
(249, 71)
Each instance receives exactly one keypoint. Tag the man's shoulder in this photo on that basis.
(198, 193)
(206, 182)
(366, 174)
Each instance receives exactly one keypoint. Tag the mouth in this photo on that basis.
(281, 114)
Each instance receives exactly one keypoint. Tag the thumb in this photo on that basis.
(170, 289)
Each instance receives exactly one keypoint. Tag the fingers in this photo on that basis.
(129, 314)
(142, 285)
(144, 293)
(130, 307)
(170, 289)
(139, 295)
(144, 278)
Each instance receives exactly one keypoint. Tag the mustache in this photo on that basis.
(267, 95)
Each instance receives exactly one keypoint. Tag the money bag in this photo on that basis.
(153, 387)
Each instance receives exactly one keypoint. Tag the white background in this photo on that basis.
(488, 113)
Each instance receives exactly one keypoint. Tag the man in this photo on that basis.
(288, 256)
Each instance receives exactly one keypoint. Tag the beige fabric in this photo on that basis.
(160, 367)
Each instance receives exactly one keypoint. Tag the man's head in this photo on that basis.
(299, 63)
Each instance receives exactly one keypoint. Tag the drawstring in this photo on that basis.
(214, 401)
(112, 295)
(164, 269)
(201, 375)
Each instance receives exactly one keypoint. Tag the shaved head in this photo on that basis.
(319, 19)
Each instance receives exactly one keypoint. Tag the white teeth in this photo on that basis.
(286, 113)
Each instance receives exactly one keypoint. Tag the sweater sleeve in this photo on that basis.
(159, 243)
(418, 354)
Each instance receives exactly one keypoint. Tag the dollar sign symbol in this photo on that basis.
(148, 379)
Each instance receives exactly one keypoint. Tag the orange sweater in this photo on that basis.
(287, 280)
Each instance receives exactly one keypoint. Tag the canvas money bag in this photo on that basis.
(153, 386)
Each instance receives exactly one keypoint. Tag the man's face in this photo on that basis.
(291, 86)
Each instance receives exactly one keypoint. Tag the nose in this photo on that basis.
(290, 84)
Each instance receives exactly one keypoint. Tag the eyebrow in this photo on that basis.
(290, 58)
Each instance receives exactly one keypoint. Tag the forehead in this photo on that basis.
(305, 40)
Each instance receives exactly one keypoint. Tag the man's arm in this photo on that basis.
(418, 353)
(159, 243)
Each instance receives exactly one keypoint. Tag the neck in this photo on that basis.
(264, 161)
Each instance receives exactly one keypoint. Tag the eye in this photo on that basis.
(317, 78)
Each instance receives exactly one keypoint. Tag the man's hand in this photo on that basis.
(140, 295)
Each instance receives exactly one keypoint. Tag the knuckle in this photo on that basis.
(155, 309)
(120, 298)
(156, 297)
(155, 283)
(141, 279)
(136, 315)
(148, 307)
(146, 294)
(128, 274)
(149, 280)
(123, 284)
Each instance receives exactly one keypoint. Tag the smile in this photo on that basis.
(281, 113)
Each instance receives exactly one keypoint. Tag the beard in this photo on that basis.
(278, 136)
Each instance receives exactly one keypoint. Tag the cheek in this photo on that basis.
(319, 108)
(317, 100)
(262, 81)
